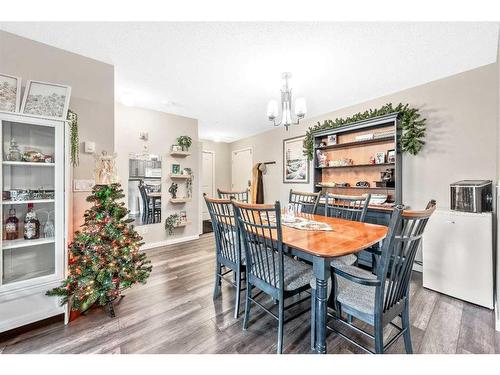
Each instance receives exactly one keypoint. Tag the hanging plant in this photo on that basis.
(75, 143)
(171, 222)
(189, 182)
(412, 125)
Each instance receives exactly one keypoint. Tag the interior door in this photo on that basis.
(207, 183)
(241, 169)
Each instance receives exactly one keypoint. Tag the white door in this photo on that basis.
(241, 169)
(207, 182)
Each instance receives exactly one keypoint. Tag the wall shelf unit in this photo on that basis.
(180, 154)
(179, 200)
(357, 154)
(179, 176)
(30, 267)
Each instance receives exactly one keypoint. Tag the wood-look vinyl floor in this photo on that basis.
(175, 313)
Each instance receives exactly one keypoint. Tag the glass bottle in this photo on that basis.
(12, 226)
(31, 224)
(14, 152)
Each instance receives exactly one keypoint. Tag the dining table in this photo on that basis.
(320, 247)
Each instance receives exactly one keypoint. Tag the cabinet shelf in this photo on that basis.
(27, 164)
(21, 242)
(356, 166)
(356, 187)
(30, 201)
(357, 143)
(180, 154)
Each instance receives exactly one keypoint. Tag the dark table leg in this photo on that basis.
(321, 267)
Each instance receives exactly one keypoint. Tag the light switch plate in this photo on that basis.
(89, 147)
(83, 185)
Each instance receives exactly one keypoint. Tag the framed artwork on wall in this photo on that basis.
(10, 93)
(295, 163)
(46, 99)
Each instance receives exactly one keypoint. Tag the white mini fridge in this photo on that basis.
(458, 256)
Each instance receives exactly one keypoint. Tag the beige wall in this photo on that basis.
(222, 162)
(461, 137)
(92, 94)
(163, 129)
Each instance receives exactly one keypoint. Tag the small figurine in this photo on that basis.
(105, 169)
(321, 158)
(173, 190)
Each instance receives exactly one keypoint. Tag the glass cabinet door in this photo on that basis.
(30, 216)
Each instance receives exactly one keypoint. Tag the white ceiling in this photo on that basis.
(224, 73)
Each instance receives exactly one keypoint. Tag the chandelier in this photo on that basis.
(286, 106)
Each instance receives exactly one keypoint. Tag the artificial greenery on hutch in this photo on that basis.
(104, 257)
(75, 143)
(412, 124)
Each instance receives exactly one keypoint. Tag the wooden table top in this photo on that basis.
(347, 237)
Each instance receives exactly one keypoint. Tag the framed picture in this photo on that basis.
(176, 169)
(380, 158)
(391, 156)
(46, 99)
(183, 216)
(176, 148)
(332, 140)
(10, 93)
(295, 163)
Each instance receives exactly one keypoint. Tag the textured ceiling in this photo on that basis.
(224, 73)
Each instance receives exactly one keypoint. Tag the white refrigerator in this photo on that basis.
(458, 256)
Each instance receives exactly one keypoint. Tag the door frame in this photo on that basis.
(232, 161)
(201, 184)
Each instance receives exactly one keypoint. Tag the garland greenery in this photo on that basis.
(171, 222)
(75, 142)
(413, 126)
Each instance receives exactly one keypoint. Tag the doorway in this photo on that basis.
(241, 169)
(207, 186)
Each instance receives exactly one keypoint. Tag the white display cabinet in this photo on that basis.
(30, 267)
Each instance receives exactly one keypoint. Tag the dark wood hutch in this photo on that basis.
(346, 157)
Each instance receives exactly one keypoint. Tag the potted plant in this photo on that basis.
(185, 142)
(171, 222)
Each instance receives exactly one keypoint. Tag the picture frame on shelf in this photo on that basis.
(183, 216)
(176, 169)
(331, 140)
(176, 148)
(295, 163)
(380, 157)
(391, 156)
(46, 99)
(10, 93)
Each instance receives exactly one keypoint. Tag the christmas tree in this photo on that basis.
(104, 258)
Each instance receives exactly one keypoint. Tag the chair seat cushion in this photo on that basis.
(296, 274)
(346, 260)
(354, 295)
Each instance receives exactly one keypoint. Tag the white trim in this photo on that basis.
(153, 245)
(202, 201)
(497, 316)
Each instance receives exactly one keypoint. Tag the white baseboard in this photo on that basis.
(173, 241)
